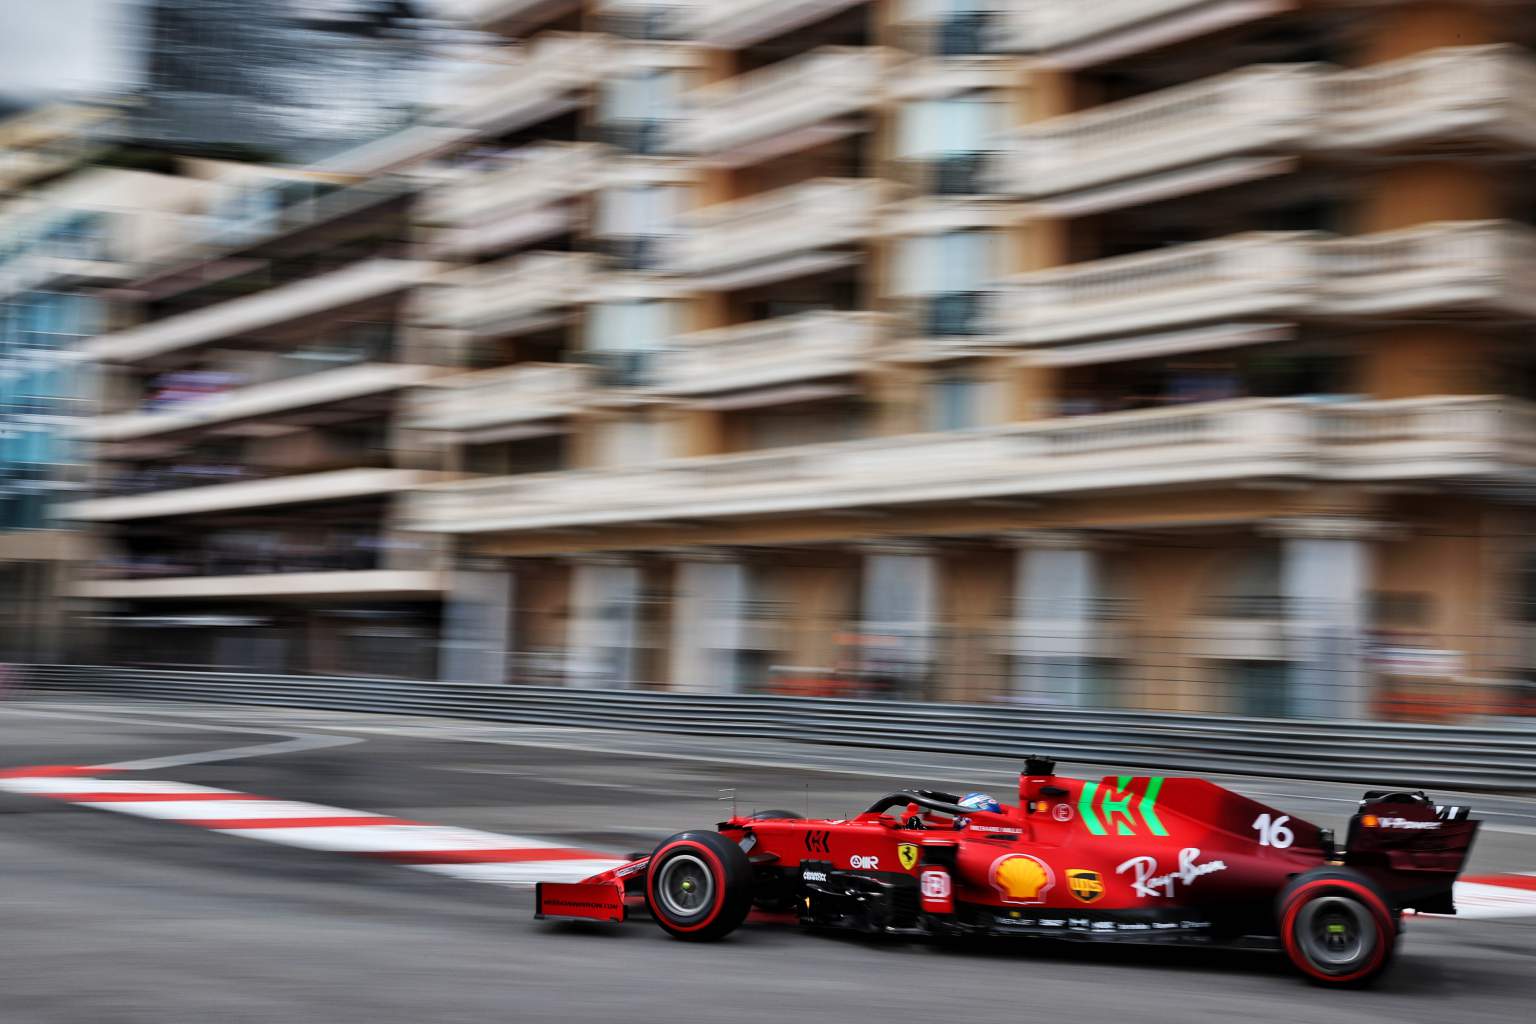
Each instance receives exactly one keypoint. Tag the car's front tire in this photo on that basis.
(1337, 926)
(699, 886)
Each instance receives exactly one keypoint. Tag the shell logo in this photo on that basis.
(1020, 878)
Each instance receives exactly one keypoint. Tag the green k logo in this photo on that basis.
(1112, 807)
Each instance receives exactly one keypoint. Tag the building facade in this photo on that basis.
(1150, 354)
(69, 231)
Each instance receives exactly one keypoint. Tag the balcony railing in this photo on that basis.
(529, 177)
(282, 304)
(325, 387)
(1254, 110)
(508, 394)
(791, 348)
(251, 582)
(818, 214)
(1250, 439)
(1442, 266)
(296, 488)
(1451, 266)
(1474, 94)
(546, 78)
(737, 23)
(511, 294)
(496, 12)
(825, 84)
(1258, 274)
(1050, 24)
(644, 19)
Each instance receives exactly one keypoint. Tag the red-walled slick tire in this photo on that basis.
(699, 886)
(1337, 926)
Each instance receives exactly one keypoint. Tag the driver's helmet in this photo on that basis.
(980, 802)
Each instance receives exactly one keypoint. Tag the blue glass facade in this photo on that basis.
(39, 400)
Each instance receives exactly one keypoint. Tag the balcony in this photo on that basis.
(548, 77)
(1251, 275)
(807, 346)
(326, 387)
(1258, 110)
(1445, 267)
(508, 394)
(513, 15)
(1450, 267)
(1112, 28)
(1466, 95)
(302, 488)
(792, 104)
(398, 584)
(797, 221)
(1470, 441)
(961, 34)
(732, 24)
(359, 282)
(524, 293)
(530, 177)
(644, 19)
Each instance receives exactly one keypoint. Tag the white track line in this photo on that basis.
(462, 853)
(298, 743)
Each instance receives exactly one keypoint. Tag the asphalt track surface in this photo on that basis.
(116, 920)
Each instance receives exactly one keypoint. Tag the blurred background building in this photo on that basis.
(1150, 354)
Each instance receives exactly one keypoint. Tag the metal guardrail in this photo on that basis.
(1486, 758)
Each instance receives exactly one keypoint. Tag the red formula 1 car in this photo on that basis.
(1123, 859)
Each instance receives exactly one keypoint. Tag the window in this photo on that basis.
(633, 441)
(631, 220)
(949, 138)
(950, 272)
(930, 129)
(955, 400)
(635, 109)
(623, 337)
(960, 261)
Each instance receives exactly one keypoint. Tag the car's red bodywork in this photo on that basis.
(1132, 858)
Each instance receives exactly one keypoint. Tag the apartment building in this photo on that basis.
(70, 229)
(245, 460)
(1154, 353)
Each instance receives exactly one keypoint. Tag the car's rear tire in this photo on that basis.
(699, 886)
(1337, 926)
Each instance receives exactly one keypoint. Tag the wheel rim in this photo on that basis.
(1336, 933)
(685, 887)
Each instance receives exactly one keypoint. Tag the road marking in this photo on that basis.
(293, 741)
(467, 854)
(295, 745)
(1496, 896)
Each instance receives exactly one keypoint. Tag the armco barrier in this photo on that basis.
(1394, 754)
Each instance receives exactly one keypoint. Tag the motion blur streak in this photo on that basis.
(1157, 354)
(287, 930)
(1164, 360)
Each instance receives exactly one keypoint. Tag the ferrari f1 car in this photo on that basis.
(1122, 859)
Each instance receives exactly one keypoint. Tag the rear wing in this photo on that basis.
(1412, 846)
